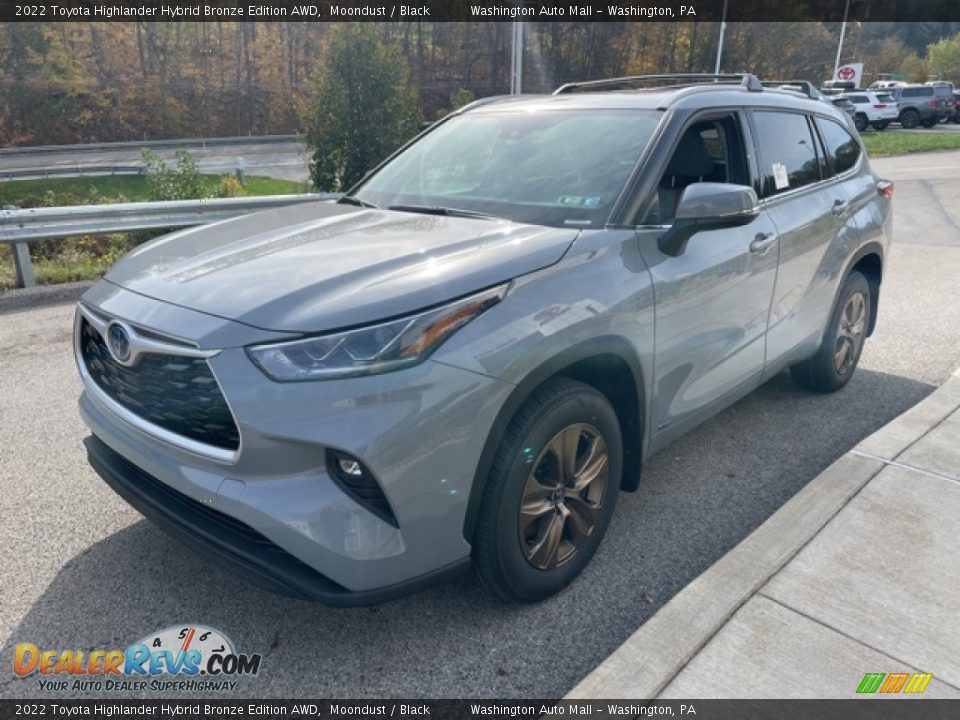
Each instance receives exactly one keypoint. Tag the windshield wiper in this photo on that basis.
(438, 210)
(351, 200)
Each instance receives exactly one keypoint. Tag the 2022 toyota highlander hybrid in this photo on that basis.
(467, 358)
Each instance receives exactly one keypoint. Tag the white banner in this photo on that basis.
(852, 72)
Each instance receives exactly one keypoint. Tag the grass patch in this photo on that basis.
(24, 193)
(898, 142)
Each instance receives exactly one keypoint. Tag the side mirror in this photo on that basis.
(709, 206)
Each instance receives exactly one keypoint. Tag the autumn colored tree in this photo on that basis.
(363, 107)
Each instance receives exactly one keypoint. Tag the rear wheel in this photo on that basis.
(909, 119)
(833, 365)
(860, 121)
(551, 492)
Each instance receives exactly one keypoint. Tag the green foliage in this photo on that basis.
(363, 107)
(182, 182)
(457, 100)
(229, 187)
(944, 58)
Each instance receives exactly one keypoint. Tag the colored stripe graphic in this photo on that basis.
(871, 682)
(918, 682)
(893, 683)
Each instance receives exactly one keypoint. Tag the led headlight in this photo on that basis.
(373, 349)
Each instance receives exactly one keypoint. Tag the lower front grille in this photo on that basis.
(176, 393)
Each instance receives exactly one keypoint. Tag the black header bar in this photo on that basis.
(478, 10)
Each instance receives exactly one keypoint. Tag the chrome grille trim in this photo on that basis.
(210, 452)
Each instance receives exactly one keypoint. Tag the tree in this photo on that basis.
(944, 58)
(363, 107)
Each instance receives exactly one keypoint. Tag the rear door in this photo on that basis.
(810, 210)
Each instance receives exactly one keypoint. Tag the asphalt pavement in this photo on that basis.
(83, 570)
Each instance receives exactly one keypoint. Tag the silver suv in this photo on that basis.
(468, 357)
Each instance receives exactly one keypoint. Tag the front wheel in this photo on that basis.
(833, 365)
(551, 492)
(860, 122)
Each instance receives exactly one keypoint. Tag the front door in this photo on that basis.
(713, 300)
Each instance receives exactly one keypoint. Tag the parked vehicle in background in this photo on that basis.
(837, 87)
(843, 103)
(956, 107)
(917, 105)
(886, 84)
(947, 106)
(878, 109)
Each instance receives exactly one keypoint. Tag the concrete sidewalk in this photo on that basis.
(858, 573)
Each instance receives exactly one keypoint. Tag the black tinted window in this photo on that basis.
(858, 98)
(788, 154)
(917, 92)
(842, 149)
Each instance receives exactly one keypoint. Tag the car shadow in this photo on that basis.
(698, 498)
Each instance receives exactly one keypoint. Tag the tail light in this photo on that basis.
(879, 107)
(933, 103)
(885, 188)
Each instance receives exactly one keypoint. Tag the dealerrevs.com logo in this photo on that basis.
(179, 658)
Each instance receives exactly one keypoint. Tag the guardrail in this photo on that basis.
(19, 227)
(78, 170)
(182, 142)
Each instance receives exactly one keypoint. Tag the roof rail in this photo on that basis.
(746, 80)
(801, 86)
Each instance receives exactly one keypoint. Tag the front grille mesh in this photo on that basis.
(176, 393)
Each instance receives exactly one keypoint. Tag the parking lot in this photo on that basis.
(82, 570)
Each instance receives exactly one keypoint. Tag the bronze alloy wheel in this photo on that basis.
(563, 496)
(850, 333)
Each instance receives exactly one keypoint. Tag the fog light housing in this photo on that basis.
(356, 480)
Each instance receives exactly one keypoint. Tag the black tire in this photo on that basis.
(880, 126)
(909, 118)
(860, 122)
(823, 372)
(500, 551)
(930, 123)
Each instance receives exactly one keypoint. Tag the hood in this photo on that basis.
(323, 266)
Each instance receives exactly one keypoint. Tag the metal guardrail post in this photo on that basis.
(21, 261)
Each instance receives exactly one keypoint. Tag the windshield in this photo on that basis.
(560, 168)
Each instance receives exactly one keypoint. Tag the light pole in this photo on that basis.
(516, 60)
(723, 30)
(843, 31)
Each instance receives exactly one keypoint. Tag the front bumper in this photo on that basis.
(420, 431)
(235, 545)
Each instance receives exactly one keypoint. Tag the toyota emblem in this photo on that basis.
(118, 340)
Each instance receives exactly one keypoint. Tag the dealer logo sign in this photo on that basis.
(179, 658)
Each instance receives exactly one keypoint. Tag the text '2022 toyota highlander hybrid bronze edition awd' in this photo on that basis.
(467, 358)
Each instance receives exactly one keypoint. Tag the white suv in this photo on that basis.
(873, 108)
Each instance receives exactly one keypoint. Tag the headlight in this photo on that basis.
(372, 349)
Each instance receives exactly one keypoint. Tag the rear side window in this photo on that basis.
(787, 150)
(917, 92)
(843, 150)
(859, 99)
(885, 98)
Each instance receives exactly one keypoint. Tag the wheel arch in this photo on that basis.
(868, 260)
(610, 365)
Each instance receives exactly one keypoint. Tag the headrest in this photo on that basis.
(691, 159)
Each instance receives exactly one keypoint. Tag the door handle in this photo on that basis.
(762, 242)
(839, 207)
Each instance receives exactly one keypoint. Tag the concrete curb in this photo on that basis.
(42, 295)
(650, 658)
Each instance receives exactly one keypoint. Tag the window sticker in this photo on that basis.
(780, 178)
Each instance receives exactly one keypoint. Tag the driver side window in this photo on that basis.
(709, 151)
